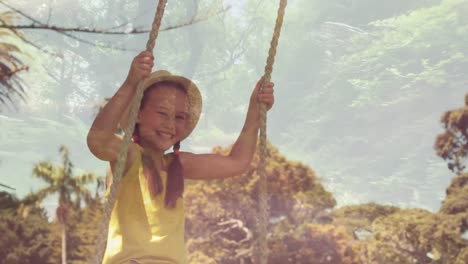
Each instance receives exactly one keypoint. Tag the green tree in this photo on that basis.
(456, 200)
(358, 219)
(416, 235)
(452, 145)
(221, 214)
(71, 190)
(311, 243)
(24, 240)
(374, 85)
(83, 226)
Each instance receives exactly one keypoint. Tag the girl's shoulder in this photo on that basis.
(133, 154)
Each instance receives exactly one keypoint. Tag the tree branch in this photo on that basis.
(6, 186)
(36, 24)
(67, 31)
(233, 56)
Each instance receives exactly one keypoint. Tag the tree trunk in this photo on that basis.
(64, 244)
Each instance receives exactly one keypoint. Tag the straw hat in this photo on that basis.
(193, 95)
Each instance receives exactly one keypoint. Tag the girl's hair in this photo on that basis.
(175, 176)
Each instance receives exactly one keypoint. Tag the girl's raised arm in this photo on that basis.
(211, 166)
(102, 140)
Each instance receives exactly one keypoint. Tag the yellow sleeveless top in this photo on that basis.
(141, 229)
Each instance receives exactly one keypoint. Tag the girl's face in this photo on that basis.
(164, 118)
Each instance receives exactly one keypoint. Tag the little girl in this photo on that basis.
(147, 221)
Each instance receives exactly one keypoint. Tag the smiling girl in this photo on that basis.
(147, 221)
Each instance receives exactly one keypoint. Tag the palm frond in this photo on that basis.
(46, 171)
(67, 165)
(86, 178)
(36, 198)
(82, 192)
(10, 65)
(8, 16)
(7, 48)
(72, 190)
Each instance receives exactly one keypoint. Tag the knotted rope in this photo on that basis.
(263, 219)
(110, 201)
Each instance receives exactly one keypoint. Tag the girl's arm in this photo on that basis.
(102, 140)
(211, 166)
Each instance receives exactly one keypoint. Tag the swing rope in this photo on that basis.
(263, 218)
(109, 204)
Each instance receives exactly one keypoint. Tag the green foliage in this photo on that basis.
(8, 201)
(24, 240)
(456, 200)
(221, 226)
(10, 63)
(434, 56)
(462, 257)
(370, 212)
(34, 240)
(411, 235)
(360, 66)
(312, 244)
(452, 145)
(200, 257)
(82, 227)
(364, 113)
(358, 219)
(221, 214)
(71, 189)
